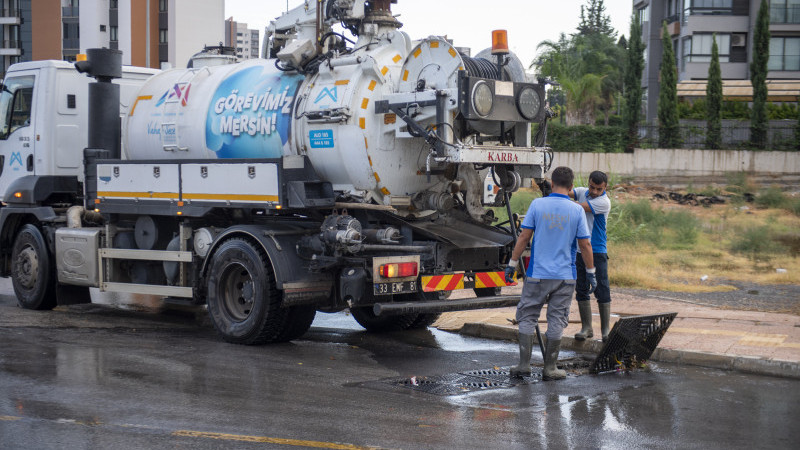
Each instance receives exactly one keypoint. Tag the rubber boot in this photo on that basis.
(585, 308)
(605, 318)
(525, 348)
(551, 372)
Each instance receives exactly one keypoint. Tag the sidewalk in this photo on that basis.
(747, 341)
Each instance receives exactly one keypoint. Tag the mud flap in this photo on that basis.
(72, 295)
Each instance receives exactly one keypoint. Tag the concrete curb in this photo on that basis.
(745, 364)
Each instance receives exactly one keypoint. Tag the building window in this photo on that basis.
(102, 28)
(699, 7)
(112, 34)
(784, 53)
(644, 14)
(162, 36)
(697, 48)
(113, 4)
(162, 5)
(66, 31)
(784, 11)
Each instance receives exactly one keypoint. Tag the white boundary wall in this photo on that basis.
(681, 163)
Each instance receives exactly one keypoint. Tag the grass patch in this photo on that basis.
(773, 197)
(672, 247)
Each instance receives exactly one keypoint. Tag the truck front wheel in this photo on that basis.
(32, 273)
(243, 299)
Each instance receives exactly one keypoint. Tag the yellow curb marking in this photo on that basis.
(265, 439)
(763, 340)
(751, 339)
(9, 418)
(704, 331)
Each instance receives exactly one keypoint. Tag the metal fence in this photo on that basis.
(781, 135)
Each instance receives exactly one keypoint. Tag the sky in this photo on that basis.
(468, 23)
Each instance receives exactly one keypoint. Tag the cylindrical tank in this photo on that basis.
(229, 111)
(254, 110)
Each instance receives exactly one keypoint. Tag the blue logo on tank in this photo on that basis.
(327, 92)
(251, 114)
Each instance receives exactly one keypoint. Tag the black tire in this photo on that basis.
(486, 292)
(367, 319)
(244, 303)
(424, 320)
(32, 271)
(298, 321)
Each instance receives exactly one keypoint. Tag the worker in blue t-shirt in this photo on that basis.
(558, 227)
(597, 205)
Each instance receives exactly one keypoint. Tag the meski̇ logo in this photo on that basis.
(250, 114)
(15, 157)
(327, 92)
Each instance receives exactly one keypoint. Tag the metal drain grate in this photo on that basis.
(484, 379)
(454, 383)
(632, 341)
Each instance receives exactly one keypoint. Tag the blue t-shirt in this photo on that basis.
(596, 220)
(556, 222)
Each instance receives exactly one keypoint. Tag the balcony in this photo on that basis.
(11, 47)
(70, 11)
(784, 15)
(10, 16)
(674, 27)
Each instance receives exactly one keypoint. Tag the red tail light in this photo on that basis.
(398, 270)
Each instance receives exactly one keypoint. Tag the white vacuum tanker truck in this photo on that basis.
(335, 173)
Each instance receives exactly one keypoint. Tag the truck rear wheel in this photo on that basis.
(243, 299)
(367, 319)
(32, 273)
(423, 320)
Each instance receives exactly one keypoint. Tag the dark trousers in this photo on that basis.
(603, 291)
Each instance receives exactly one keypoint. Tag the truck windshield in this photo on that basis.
(15, 104)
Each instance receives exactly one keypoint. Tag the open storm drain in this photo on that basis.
(632, 342)
(484, 379)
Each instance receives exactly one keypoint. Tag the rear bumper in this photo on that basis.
(437, 306)
(456, 281)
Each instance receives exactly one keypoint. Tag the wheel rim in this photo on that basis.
(26, 267)
(238, 291)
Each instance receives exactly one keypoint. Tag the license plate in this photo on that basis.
(397, 287)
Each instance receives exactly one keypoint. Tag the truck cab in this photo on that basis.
(43, 119)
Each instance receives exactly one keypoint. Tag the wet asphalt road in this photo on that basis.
(92, 376)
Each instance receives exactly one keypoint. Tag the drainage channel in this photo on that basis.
(484, 379)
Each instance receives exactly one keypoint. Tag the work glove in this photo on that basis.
(592, 279)
(511, 270)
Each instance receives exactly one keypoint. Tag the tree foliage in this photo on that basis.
(594, 19)
(632, 108)
(758, 77)
(586, 65)
(714, 100)
(668, 132)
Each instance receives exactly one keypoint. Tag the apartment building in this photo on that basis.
(242, 39)
(150, 33)
(692, 23)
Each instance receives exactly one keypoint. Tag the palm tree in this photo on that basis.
(583, 96)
